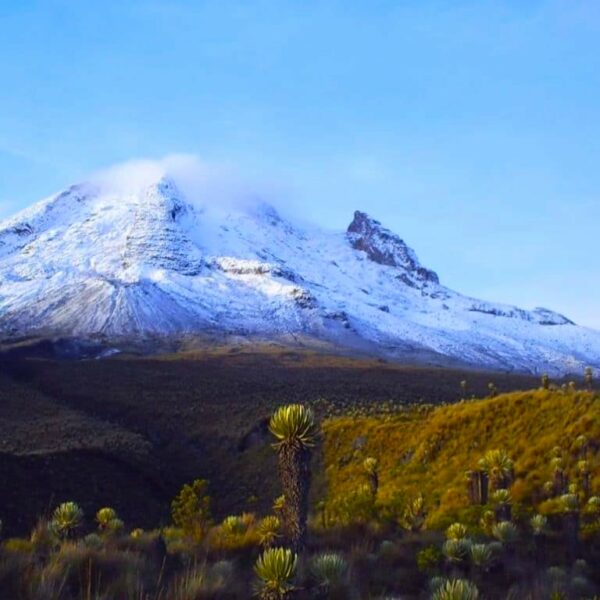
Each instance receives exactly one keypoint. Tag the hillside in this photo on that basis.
(128, 433)
(428, 451)
(119, 429)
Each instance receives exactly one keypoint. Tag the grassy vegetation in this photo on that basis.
(139, 428)
(427, 451)
(490, 498)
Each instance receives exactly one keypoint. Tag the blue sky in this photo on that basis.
(472, 129)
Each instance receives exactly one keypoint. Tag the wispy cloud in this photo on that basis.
(206, 184)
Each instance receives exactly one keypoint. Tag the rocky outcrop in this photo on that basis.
(385, 248)
(541, 316)
(253, 267)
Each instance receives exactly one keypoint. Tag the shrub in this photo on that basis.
(67, 517)
(456, 550)
(108, 521)
(268, 530)
(593, 504)
(275, 568)
(481, 555)
(456, 531)
(190, 510)
(371, 467)
(236, 532)
(235, 525)
(429, 559)
(456, 589)
(569, 502)
(104, 516)
(499, 468)
(501, 496)
(415, 514)
(487, 522)
(279, 503)
(539, 524)
(356, 506)
(505, 532)
(328, 569)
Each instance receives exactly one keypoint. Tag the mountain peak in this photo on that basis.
(137, 262)
(362, 219)
(386, 248)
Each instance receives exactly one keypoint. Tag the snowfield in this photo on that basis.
(100, 263)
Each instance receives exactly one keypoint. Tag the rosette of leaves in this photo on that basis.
(499, 467)
(539, 524)
(456, 551)
(108, 521)
(505, 532)
(456, 531)
(268, 530)
(275, 568)
(66, 518)
(481, 555)
(328, 569)
(455, 589)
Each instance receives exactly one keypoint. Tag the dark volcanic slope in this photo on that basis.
(129, 432)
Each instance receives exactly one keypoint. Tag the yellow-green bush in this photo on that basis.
(235, 533)
(190, 510)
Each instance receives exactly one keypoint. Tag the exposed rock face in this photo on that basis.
(386, 248)
(155, 232)
(543, 316)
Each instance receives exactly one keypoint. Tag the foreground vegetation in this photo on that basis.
(491, 498)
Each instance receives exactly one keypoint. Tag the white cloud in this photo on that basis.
(203, 183)
(7, 208)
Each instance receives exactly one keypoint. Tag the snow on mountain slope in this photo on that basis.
(102, 262)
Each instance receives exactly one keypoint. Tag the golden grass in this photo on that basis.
(428, 452)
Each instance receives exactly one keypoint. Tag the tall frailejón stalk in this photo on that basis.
(295, 430)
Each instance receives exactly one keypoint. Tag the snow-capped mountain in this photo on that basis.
(145, 264)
